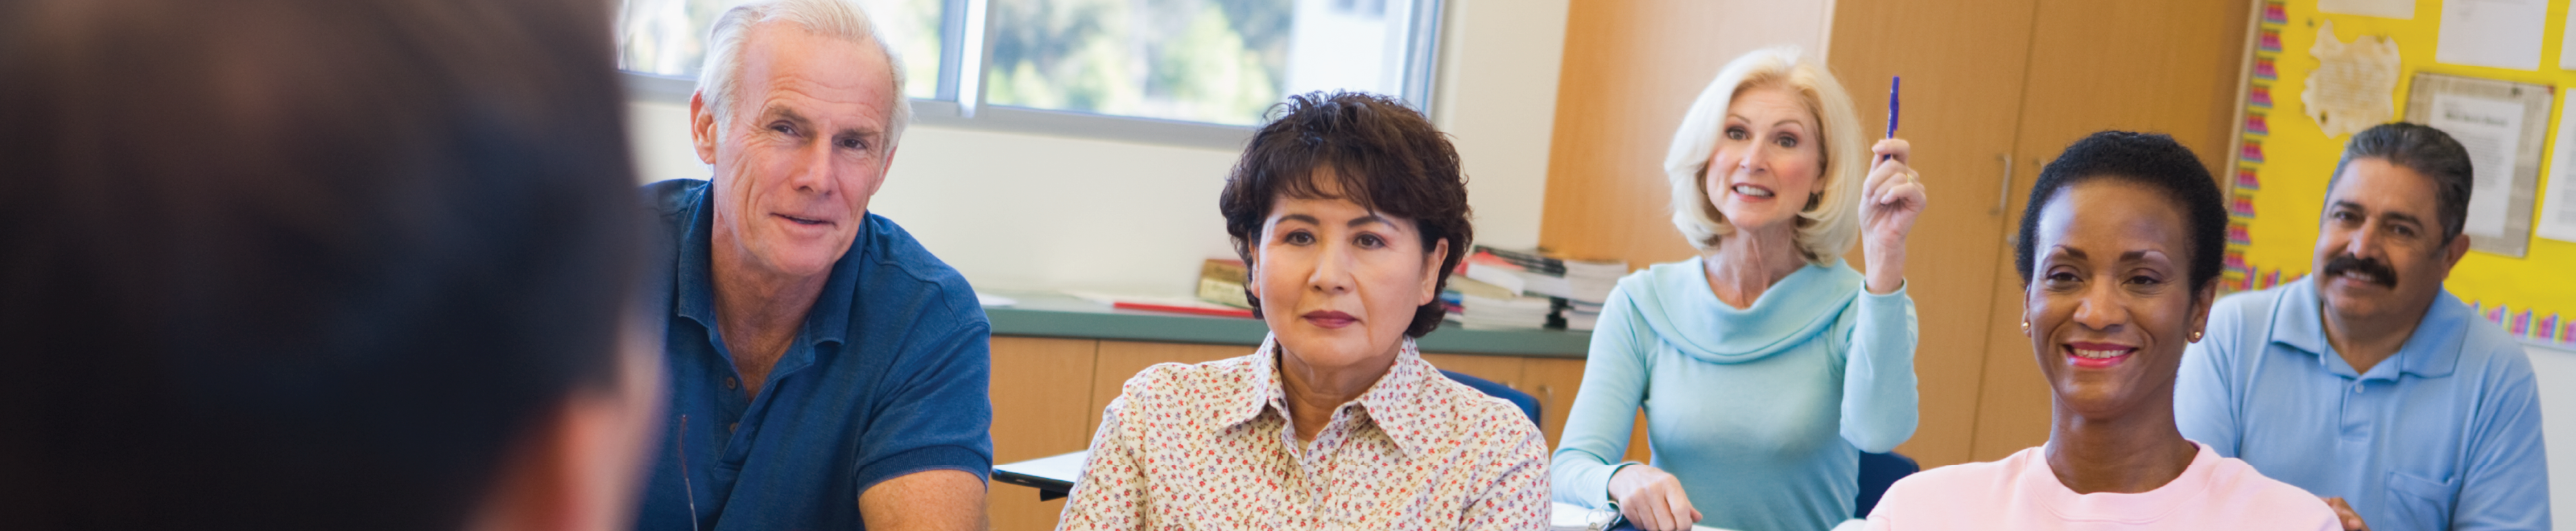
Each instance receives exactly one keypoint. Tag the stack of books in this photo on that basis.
(1505, 288)
(1588, 285)
(1482, 305)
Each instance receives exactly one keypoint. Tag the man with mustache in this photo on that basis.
(2367, 383)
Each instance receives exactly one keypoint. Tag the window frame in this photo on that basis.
(960, 99)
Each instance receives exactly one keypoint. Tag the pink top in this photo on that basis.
(2020, 492)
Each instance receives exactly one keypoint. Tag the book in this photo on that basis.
(1575, 289)
(1222, 280)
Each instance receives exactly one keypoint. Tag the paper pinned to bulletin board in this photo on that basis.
(2285, 156)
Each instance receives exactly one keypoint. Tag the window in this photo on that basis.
(1176, 71)
(668, 38)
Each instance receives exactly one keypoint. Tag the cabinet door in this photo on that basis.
(1631, 69)
(1555, 381)
(1041, 387)
(2169, 67)
(1963, 67)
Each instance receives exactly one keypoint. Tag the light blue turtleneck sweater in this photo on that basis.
(1762, 412)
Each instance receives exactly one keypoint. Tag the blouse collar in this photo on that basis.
(1397, 404)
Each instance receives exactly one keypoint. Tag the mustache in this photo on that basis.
(2378, 272)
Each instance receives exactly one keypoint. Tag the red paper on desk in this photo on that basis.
(1208, 310)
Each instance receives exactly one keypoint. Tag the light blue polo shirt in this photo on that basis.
(2444, 435)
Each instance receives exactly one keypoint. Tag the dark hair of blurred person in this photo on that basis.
(349, 264)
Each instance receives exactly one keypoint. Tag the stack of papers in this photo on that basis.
(1575, 288)
(1592, 281)
(1516, 312)
(1570, 517)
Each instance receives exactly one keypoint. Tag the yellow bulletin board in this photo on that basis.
(2285, 158)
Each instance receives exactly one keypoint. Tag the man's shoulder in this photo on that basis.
(2257, 303)
(669, 198)
(2486, 344)
(892, 247)
(901, 268)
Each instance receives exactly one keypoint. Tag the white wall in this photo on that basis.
(2556, 371)
(1026, 211)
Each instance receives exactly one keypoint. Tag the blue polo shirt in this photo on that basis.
(887, 378)
(2444, 435)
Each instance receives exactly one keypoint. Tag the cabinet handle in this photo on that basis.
(2003, 198)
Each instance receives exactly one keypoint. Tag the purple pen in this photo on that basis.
(1892, 84)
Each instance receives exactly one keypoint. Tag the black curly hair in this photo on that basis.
(1384, 155)
(2152, 160)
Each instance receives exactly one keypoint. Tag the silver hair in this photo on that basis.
(839, 19)
(1830, 225)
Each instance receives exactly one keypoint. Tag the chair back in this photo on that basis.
(1877, 472)
(1527, 403)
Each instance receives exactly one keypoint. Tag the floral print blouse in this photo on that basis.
(1210, 446)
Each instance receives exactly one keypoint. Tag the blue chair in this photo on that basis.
(1528, 404)
(1877, 472)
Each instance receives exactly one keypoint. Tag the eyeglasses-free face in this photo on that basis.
(1339, 283)
(2110, 304)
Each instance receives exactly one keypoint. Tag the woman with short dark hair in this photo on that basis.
(1350, 212)
(2119, 260)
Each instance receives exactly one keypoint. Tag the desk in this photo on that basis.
(1050, 314)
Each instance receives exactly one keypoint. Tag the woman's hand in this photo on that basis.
(2344, 514)
(1652, 499)
(1889, 201)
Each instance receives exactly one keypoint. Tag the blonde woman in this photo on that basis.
(1765, 365)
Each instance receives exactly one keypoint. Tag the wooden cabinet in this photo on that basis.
(2018, 80)
(1040, 390)
(2168, 67)
(1993, 89)
(1959, 107)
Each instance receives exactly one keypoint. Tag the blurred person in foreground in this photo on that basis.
(343, 264)
(826, 371)
(1351, 212)
(2367, 383)
(2119, 259)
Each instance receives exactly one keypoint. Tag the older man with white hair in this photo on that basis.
(826, 371)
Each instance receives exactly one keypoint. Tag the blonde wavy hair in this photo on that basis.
(1829, 224)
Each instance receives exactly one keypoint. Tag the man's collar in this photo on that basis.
(827, 321)
(693, 275)
(2432, 351)
(1394, 403)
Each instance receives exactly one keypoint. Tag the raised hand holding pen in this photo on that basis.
(1891, 198)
